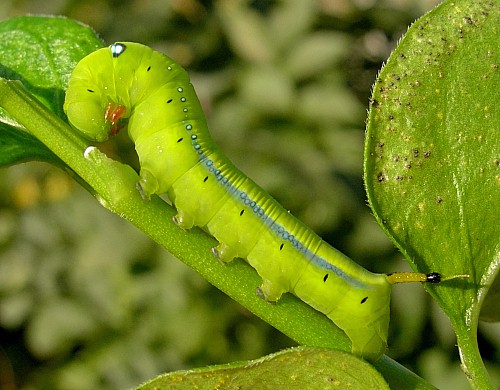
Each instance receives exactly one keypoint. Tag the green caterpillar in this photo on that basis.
(131, 82)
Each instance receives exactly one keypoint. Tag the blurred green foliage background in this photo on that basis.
(87, 301)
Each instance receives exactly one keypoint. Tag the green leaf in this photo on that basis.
(19, 146)
(41, 52)
(35, 50)
(296, 368)
(432, 157)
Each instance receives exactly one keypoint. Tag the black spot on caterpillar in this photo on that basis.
(210, 192)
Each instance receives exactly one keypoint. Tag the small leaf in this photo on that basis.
(42, 52)
(432, 155)
(18, 146)
(327, 48)
(297, 368)
(247, 31)
(267, 90)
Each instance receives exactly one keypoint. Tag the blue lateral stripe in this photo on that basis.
(278, 229)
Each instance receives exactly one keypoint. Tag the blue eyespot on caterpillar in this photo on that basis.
(128, 84)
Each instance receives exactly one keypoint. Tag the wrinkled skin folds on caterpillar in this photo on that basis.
(131, 82)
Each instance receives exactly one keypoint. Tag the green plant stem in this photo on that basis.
(113, 184)
(472, 363)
